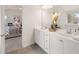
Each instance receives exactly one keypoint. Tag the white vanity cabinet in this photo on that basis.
(56, 44)
(39, 38)
(68, 45)
(42, 39)
(37, 35)
(71, 46)
(46, 41)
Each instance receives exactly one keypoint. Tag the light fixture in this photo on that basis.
(47, 7)
(20, 8)
(5, 17)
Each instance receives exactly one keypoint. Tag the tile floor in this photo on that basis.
(13, 46)
(34, 49)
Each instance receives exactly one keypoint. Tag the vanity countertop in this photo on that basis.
(61, 32)
(42, 28)
(74, 36)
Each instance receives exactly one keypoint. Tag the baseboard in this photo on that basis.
(28, 44)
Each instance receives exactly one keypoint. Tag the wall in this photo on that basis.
(62, 9)
(13, 12)
(31, 17)
(70, 7)
(0, 29)
(62, 19)
(46, 18)
(10, 14)
(2, 39)
(34, 15)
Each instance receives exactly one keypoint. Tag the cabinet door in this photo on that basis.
(57, 44)
(42, 39)
(41, 42)
(71, 46)
(37, 36)
(46, 43)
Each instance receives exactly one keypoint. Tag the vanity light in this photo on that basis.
(20, 8)
(47, 7)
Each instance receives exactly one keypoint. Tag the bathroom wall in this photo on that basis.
(62, 10)
(62, 19)
(34, 15)
(31, 17)
(46, 18)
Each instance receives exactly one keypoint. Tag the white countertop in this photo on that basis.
(60, 31)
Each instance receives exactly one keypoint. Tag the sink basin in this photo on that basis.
(42, 28)
(63, 32)
(75, 36)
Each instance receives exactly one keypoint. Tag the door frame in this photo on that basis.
(2, 40)
(2, 15)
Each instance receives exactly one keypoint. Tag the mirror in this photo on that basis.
(73, 17)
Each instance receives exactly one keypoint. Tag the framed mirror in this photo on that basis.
(73, 17)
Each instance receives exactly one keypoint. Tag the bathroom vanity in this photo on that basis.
(58, 42)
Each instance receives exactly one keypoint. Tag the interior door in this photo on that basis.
(2, 35)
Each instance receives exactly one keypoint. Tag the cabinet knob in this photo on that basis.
(61, 40)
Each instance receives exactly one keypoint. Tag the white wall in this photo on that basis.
(0, 29)
(62, 9)
(2, 39)
(11, 14)
(46, 18)
(31, 17)
(70, 7)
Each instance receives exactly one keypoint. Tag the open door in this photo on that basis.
(2, 30)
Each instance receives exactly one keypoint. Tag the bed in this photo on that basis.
(12, 32)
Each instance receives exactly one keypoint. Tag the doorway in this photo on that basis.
(13, 27)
